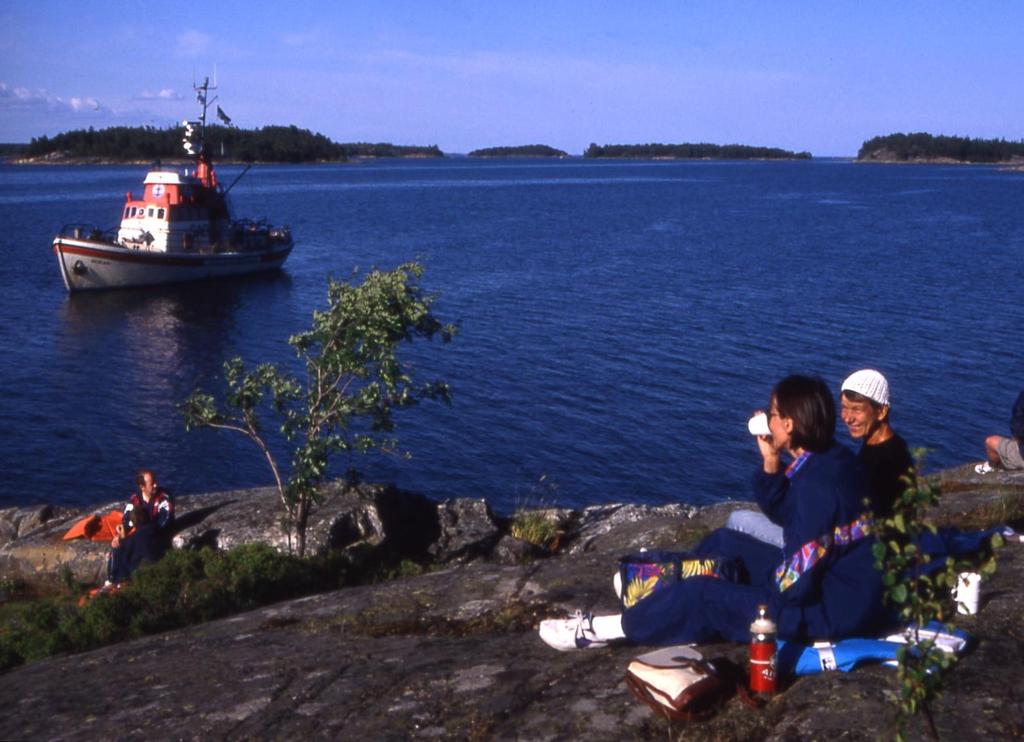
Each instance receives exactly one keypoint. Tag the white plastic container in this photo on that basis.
(967, 593)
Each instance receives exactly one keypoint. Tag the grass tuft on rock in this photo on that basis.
(535, 527)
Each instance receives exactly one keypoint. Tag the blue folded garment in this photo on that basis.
(846, 654)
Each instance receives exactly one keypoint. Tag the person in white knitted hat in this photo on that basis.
(864, 407)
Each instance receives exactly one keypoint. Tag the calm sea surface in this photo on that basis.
(618, 321)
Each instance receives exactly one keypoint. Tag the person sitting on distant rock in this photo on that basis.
(1006, 453)
(822, 584)
(146, 544)
(155, 525)
(884, 455)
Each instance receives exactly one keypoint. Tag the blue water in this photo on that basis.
(618, 320)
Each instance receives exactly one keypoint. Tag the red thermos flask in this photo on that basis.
(762, 653)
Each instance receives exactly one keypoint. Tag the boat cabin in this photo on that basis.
(177, 213)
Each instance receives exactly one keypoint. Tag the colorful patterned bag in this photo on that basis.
(644, 573)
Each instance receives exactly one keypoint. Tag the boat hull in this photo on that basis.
(91, 265)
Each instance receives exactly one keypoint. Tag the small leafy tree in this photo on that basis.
(354, 381)
(920, 594)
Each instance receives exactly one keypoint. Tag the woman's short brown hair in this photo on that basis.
(809, 403)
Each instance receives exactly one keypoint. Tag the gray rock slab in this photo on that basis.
(368, 514)
(467, 529)
(454, 654)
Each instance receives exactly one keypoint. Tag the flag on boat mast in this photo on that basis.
(223, 116)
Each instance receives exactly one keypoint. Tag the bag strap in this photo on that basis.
(684, 663)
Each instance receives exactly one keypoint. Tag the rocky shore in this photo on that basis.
(888, 157)
(453, 653)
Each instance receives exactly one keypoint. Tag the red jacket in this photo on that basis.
(160, 506)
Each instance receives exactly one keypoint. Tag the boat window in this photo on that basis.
(127, 209)
(150, 211)
(131, 211)
(160, 214)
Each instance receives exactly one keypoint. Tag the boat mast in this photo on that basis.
(203, 96)
(204, 167)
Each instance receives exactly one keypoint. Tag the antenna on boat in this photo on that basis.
(203, 96)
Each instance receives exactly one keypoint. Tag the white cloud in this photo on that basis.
(82, 104)
(193, 44)
(163, 94)
(22, 98)
(19, 97)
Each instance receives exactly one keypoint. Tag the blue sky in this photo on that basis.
(818, 76)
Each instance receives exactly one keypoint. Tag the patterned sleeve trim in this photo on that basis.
(814, 550)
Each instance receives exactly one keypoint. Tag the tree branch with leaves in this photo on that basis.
(354, 381)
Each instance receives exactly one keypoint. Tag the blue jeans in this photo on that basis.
(756, 524)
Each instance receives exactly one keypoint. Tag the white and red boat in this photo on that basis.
(181, 229)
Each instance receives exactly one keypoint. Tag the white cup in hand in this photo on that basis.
(758, 424)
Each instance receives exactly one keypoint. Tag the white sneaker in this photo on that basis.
(566, 634)
(984, 468)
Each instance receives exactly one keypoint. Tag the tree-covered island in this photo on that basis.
(524, 150)
(700, 151)
(267, 144)
(355, 150)
(922, 147)
(12, 149)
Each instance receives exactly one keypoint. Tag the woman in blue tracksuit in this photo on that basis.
(823, 583)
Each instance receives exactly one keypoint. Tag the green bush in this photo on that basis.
(185, 587)
(31, 632)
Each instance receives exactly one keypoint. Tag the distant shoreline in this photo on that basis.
(180, 162)
(1007, 166)
(184, 162)
(1013, 166)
